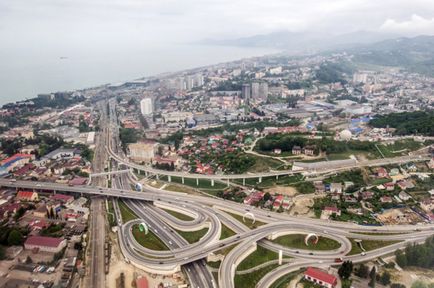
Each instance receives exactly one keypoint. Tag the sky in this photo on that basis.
(45, 24)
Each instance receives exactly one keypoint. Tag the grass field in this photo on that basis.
(268, 182)
(261, 255)
(111, 216)
(297, 241)
(249, 223)
(368, 245)
(150, 240)
(126, 212)
(250, 280)
(226, 232)
(283, 281)
(178, 215)
(192, 236)
(264, 164)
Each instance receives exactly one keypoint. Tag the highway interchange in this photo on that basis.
(212, 212)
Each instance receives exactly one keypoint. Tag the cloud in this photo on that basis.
(416, 25)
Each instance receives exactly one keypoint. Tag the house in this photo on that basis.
(45, 244)
(382, 173)
(65, 199)
(77, 181)
(336, 188)
(367, 195)
(277, 151)
(320, 277)
(296, 150)
(406, 184)
(389, 186)
(27, 196)
(431, 163)
(41, 211)
(254, 198)
(386, 199)
(319, 187)
(330, 210)
(427, 205)
(404, 196)
(309, 150)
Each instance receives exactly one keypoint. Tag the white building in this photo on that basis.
(146, 106)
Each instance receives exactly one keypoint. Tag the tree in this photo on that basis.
(346, 283)
(419, 284)
(397, 285)
(385, 278)
(267, 196)
(15, 238)
(345, 270)
(363, 271)
(2, 253)
(372, 276)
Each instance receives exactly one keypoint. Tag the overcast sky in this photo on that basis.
(108, 22)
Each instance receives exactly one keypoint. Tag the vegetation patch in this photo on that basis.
(150, 240)
(126, 212)
(180, 216)
(261, 255)
(297, 241)
(226, 232)
(368, 245)
(193, 236)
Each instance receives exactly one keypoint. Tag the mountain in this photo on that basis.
(415, 54)
(303, 42)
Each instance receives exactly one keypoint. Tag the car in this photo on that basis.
(238, 237)
(170, 242)
(338, 260)
(297, 252)
(160, 262)
(310, 253)
(363, 253)
(221, 245)
(38, 185)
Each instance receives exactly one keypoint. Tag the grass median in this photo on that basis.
(150, 240)
(193, 236)
(297, 241)
(368, 245)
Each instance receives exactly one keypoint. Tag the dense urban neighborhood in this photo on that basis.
(274, 171)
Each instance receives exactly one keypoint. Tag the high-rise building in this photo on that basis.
(245, 92)
(199, 80)
(255, 90)
(263, 91)
(259, 91)
(146, 106)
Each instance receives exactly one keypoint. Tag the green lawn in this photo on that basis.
(214, 264)
(264, 164)
(261, 255)
(297, 241)
(126, 212)
(193, 236)
(250, 280)
(283, 281)
(226, 232)
(368, 245)
(111, 216)
(249, 223)
(268, 182)
(150, 240)
(179, 215)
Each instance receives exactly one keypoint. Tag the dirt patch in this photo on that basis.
(408, 276)
(284, 190)
(302, 206)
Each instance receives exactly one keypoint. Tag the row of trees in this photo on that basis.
(419, 122)
(417, 255)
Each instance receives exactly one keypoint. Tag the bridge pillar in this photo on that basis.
(244, 181)
(182, 180)
(280, 257)
(157, 176)
(212, 182)
(277, 177)
(169, 178)
(197, 181)
(227, 182)
(260, 180)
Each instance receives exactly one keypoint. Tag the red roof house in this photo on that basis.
(320, 277)
(27, 196)
(46, 244)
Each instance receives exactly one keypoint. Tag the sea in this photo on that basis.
(24, 73)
